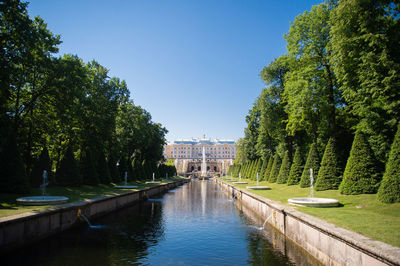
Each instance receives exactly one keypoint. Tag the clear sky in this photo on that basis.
(194, 65)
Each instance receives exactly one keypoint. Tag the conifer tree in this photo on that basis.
(68, 173)
(263, 168)
(103, 171)
(329, 175)
(88, 169)
(389, 190)
(269, 167)
(122, 168)
(43, 163)
(284, 170)
(276, 165)
(312, 162)
(296, 169)
(360, 175)
(114, 173)
(13, 178)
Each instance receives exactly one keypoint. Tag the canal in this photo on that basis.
(195, 224)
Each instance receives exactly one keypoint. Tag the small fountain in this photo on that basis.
(240, 180)
(311, 201)
(166, 178)
(153, 181)
(126, 186)
(42, 200)
(204, 165)
(258, 187)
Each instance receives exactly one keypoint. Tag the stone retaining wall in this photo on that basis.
(328, 243)
(25, 228)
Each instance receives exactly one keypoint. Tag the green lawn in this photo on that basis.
(363, 214)
(8, 205)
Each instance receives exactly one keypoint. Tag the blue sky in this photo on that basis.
(194, 65)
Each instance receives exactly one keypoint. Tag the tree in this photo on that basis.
(313, 163)
(13, 178)
(43, 163)
(114, 173)
(269, 168)
(102, 169)
(389, 190)
(275, 169)
(329, 175)
(263, 168)
(88, 169)
(284, 170)
(297, 168)
(366, 60)
(68, 173)
(360, 175)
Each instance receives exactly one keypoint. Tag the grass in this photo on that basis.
(363, 214)
(8, 205)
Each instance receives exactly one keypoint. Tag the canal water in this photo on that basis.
(195, 224)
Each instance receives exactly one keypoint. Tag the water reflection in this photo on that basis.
(197, 224)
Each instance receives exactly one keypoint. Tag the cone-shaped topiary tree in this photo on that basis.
(129, 168)
(68, 173)
(112, 167)
(389, 190)
(43, 163)
(284, 170)
(88, 169)
(102, 169)
(360, 175)
(296, 169)
(269, 167)
(312, 162)
(13, 178)
(276, 165)
(263, 168)
(329, 175)
(122, 168)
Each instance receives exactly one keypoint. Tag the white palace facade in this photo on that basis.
(188, 155)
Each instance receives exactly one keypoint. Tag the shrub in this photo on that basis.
(297, 168)
(389, 190)
(68, 173)
(269, 167)
(263, 168)
(360, 175)
(41, 164)
(275, 169)
(284, 170)
(329, 174)
(112, 167)
(88, 169)
(312, 162)
(103, 171)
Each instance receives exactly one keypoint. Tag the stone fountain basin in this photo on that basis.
(258, 187)
(314, 202)
(239, 182)
(125, 187)
(153, 182)
(42, 200)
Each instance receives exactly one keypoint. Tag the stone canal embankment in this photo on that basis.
(328, 243)
(26, 228)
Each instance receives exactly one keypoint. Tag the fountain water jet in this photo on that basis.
(42, 200)
(126, 186)
(240, 180)
(258, 187)
(311, 201)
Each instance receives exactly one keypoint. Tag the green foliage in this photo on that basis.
(329, 175)
(88, 169)
(114, 172)
(284, 170)
(43, 163)
(389, 190)
(269, 168)
(296, 169)
(312, 162)
(102, 169)
(68, 173)
(360, 175)
(276, 165)
(263, 168)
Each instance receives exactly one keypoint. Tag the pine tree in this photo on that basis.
(360, 175)
(284, 170)
(43, 163)
(297, 168)
(88, 169)
(276, 165)
(389, 190)
(269, 167)
(68, 173)
(13, 178)
(329, 175)
(103, 171)
(312, 162)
